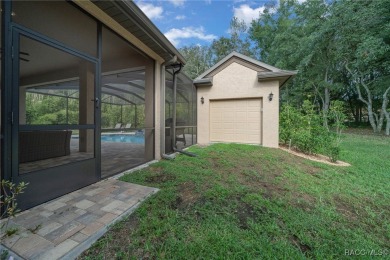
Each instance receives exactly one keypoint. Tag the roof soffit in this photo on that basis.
(134, 21)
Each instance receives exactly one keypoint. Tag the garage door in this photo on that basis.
(237, 120)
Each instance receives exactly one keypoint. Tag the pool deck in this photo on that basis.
(65, 227)
(116, 157)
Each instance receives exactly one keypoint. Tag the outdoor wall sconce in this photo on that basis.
(202, 100)
(270, 96)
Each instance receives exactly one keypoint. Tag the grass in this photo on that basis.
(242, 201)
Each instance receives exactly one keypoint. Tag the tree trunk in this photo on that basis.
(372, 117)
(325, 108)
(354, 110)
(387, 123)
(385, 102)
(326, 102)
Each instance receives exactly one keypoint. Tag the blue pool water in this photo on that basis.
(122, 138)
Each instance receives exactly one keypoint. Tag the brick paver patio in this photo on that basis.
(65, 227)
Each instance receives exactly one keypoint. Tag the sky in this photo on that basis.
(199, 22)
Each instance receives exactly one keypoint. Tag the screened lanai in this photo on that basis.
(123, 91)
(185, 130)
(122, 117)
(82, 89)
(123, 104)
(69, 97)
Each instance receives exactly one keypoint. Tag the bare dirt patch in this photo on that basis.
(187, 196)
(317, 158)
(245, 212)
(298, 243)
(265, 174)
(117, 239)
(160, 178)
(344, 208)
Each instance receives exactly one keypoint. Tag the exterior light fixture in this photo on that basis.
(270, 96)
(202, 100)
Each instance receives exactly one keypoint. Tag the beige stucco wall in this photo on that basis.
(238, 81)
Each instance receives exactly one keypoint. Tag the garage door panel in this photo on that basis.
(253, 127)
(240, 128)
(241, 116)
(236, 121)
(253, 114)
(253, 140)
(227, 117)
(254, 104)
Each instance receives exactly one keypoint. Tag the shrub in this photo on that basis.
(289, 122)
(9, 192)
(334, 153)
(303, 129)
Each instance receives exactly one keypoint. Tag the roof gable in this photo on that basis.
(241, 59)
(238, 61)
(265, 72)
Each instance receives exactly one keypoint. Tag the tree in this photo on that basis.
(364, 48)
(341, 49)
(198, 60)
(237, 41)
(301, 36)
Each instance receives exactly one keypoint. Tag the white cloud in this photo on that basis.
(180, 17)
(174, 35)
(247, 13)
(177, 2)
(151, 11)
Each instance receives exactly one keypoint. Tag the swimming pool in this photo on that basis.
(123, 138)
(120, 138)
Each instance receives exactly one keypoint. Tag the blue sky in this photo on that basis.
(189, 22)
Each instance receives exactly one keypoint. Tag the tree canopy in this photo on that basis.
(340, 47)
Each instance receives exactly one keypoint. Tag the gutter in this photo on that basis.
(264, 76)
(275, 74)
(162, 105)
(139, 18)
(174, 105)
(286, 80)
(203, 82)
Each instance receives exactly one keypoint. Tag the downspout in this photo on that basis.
(163, 155)
(174, 114)
(174, 106)
(162, 106)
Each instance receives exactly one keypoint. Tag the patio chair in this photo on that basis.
(128, 126)
(118, 126)
(180, 136)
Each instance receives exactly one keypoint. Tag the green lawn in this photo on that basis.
(242, 201)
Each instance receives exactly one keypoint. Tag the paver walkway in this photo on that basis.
(65, 227)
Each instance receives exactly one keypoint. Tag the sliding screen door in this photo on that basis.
(55, 104)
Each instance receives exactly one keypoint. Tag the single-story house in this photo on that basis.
(92, 88)
(240, 101)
